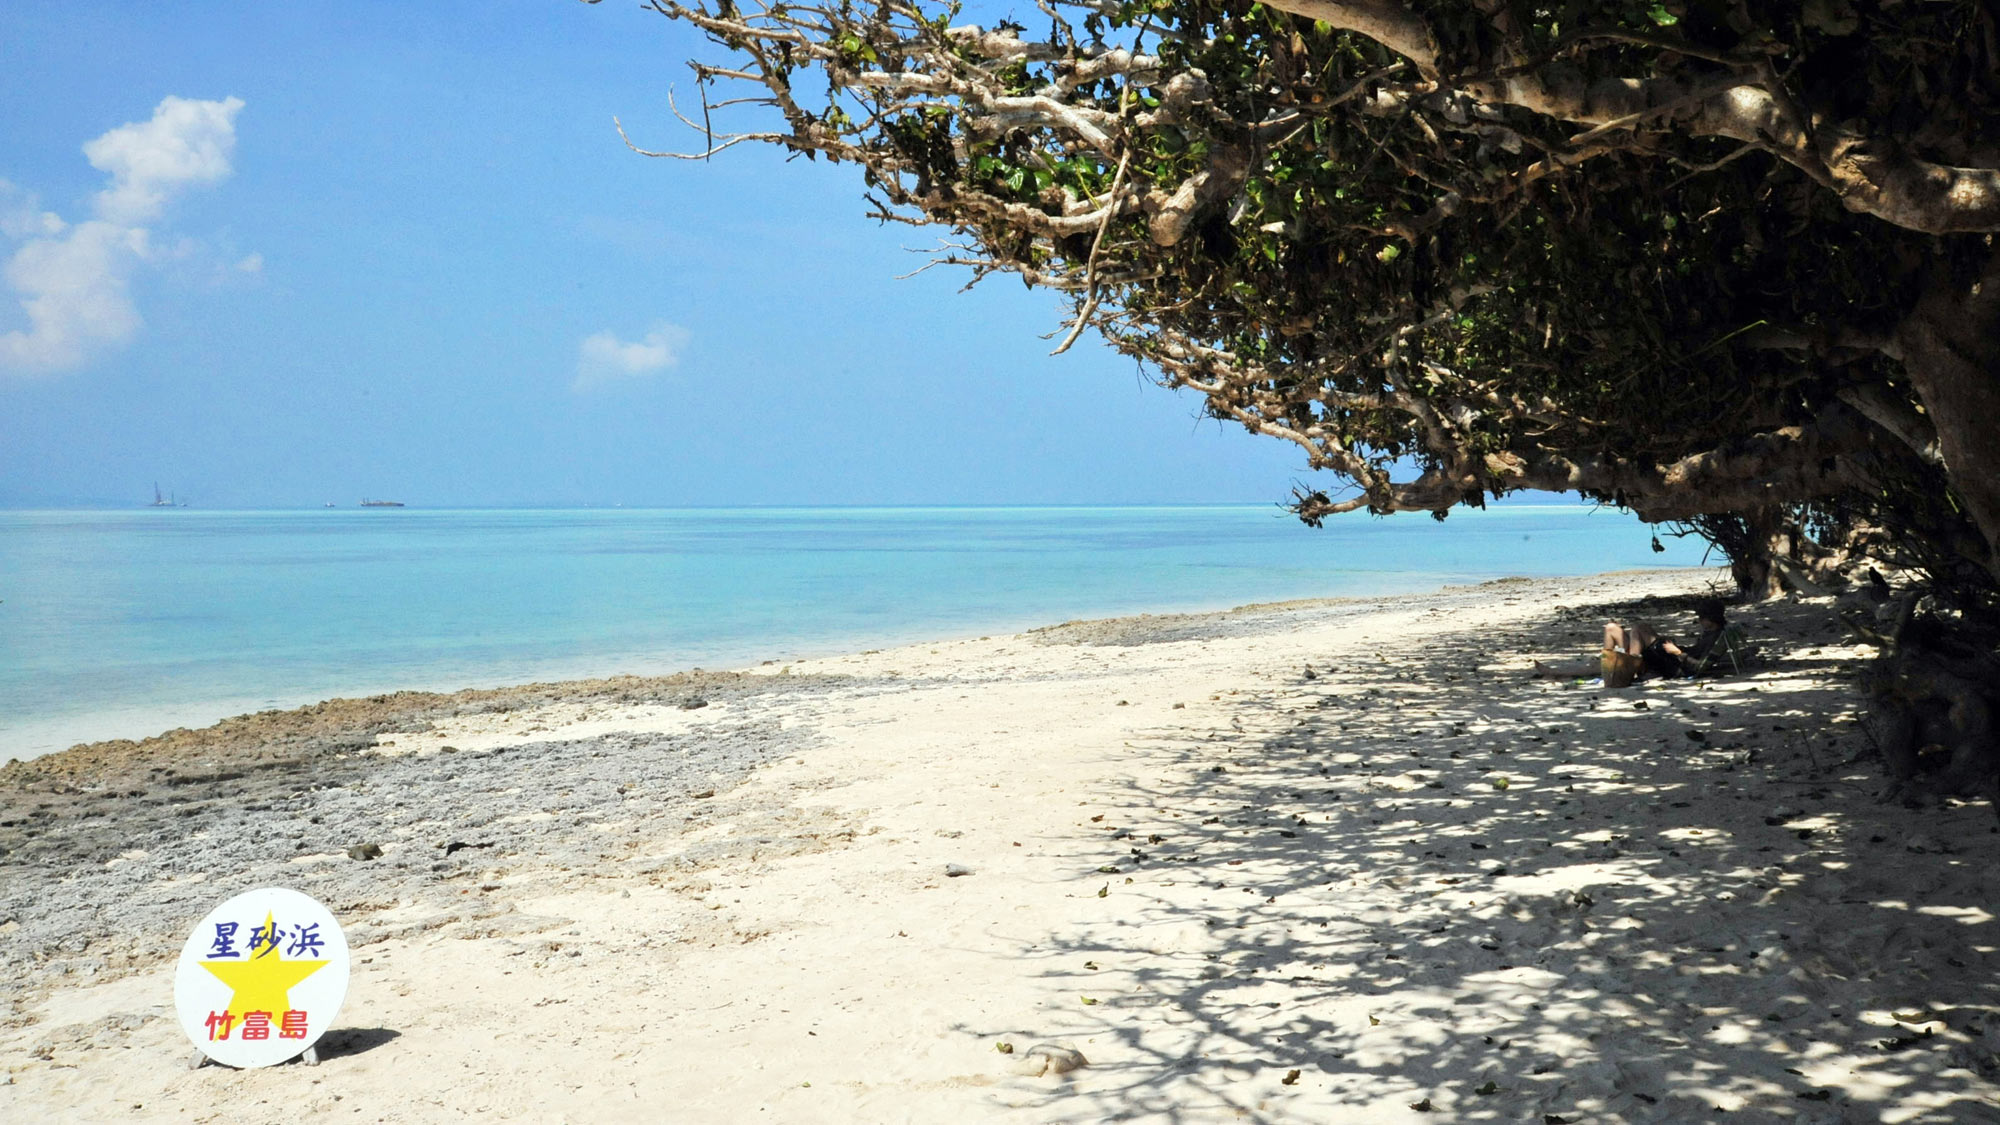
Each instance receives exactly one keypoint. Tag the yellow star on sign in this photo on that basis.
(264, 982)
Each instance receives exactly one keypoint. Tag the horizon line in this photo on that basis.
(1541, 500)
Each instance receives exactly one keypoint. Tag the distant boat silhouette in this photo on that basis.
(160, 501)
(381, 503)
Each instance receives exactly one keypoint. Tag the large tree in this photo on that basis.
(1718, 261)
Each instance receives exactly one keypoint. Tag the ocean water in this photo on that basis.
(118, 624)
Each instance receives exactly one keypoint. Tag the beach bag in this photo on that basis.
(1619, 669)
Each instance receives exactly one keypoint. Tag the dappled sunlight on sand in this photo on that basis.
(1424, 883)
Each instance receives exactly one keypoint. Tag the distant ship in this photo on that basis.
(381, 503)
(160, 501)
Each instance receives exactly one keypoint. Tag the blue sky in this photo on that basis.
(416, 262)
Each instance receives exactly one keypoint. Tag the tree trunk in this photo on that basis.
(1750, 563)
(1752, 541)
(1951, 351)
(1770, 553)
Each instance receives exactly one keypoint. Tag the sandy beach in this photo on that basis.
(1316, 862)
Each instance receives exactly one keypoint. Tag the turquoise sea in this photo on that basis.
(126, 623)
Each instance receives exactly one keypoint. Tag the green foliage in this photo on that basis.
(1379, 238)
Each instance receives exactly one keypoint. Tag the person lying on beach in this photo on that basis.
(1716, 649)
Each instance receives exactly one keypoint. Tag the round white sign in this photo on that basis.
(261, 977)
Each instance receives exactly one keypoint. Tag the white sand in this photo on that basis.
(1339, 914)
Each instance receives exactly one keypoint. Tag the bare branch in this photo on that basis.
(1870, 174)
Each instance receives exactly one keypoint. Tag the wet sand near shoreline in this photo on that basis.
(1324, 861)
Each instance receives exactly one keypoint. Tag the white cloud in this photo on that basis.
(604, 358)
(74, 282)
(186, 142)
(77, 294)
(251, 263)
(21, 215)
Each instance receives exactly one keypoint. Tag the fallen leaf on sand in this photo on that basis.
(1048, 1058)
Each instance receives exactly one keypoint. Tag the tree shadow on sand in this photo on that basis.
(1439, 890)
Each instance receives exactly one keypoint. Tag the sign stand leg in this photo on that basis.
(311, 1057)
(198, 1059)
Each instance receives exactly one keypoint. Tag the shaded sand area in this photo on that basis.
(1412, 885)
